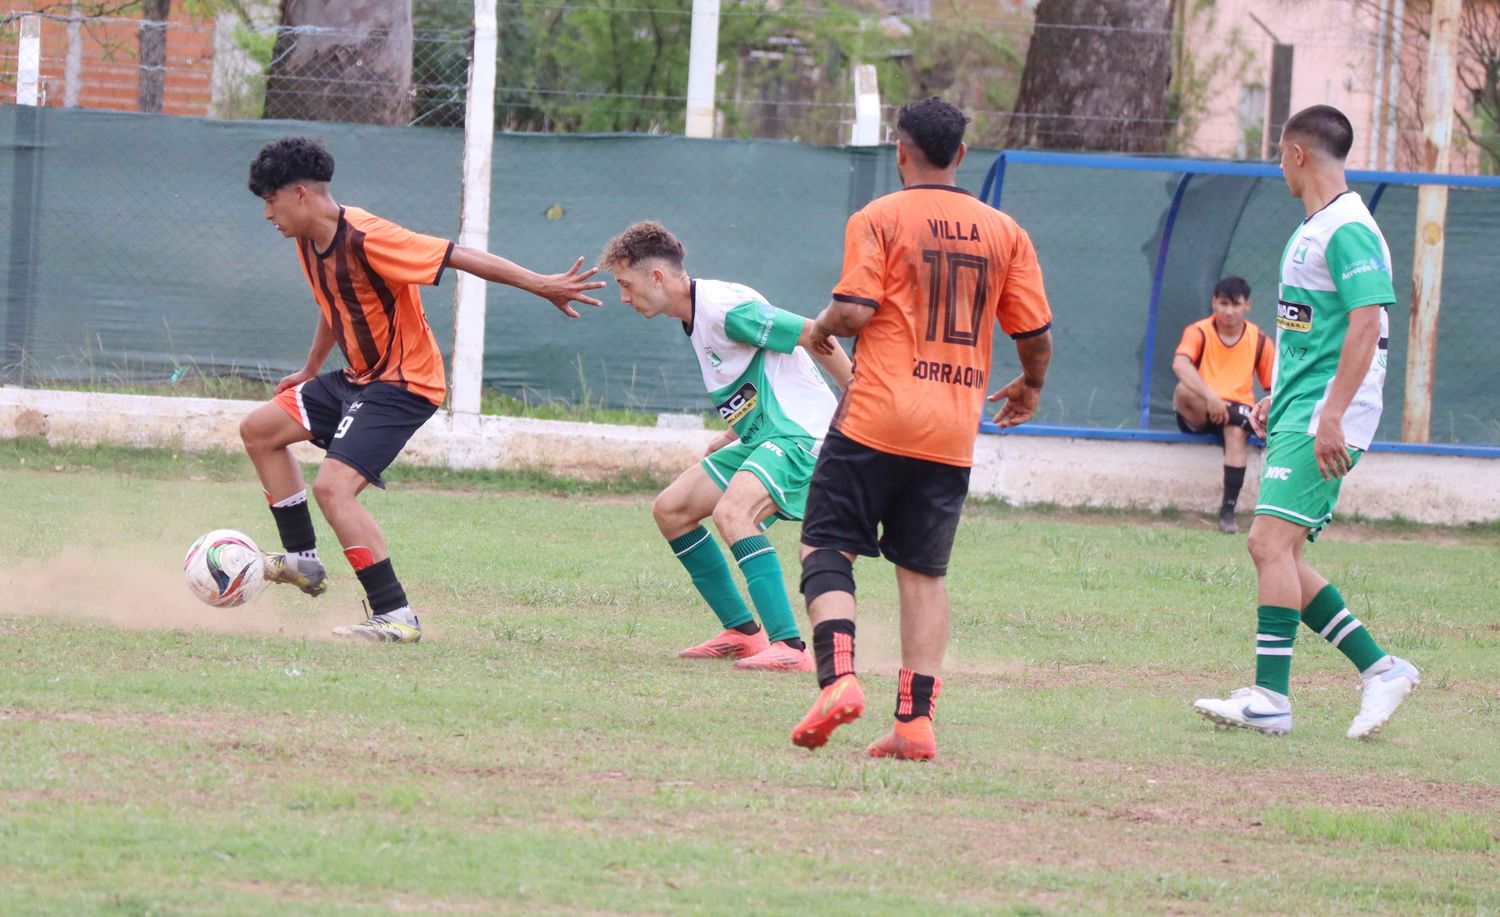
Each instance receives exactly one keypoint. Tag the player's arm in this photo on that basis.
(1023, 313)
(844, 318)
(558, 289)
(827, 353)
(1024, 393)
(1188, 375)
(861, 283)
(1331, 448)
(322, 345)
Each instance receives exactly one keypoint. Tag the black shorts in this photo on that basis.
(363, 426)
(914, 503)
(1239, 416)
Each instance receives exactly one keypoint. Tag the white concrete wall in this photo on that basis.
(1020, 469)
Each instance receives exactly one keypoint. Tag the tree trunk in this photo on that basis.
(342, 60)
(1097, 77)
(151, 83)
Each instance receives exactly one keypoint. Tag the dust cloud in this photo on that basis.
(143, 589)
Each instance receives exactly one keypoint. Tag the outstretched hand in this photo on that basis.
(564, 289)
(1021, 402)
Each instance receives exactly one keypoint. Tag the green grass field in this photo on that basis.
(543, 750)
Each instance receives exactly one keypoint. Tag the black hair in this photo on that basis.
(1232, 288)
(288, 161)
(936, 127)
(1325, 126)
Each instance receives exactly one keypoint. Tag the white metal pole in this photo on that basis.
(29, 61)
(474, 217)
(866, 107)
(73, 68)
(1432, 215)
(703, 67)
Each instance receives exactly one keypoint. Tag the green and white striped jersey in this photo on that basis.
(761, 382)
(1335, 262)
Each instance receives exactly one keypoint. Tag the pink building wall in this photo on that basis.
(1343, 56)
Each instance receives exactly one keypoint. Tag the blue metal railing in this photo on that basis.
(992, 190)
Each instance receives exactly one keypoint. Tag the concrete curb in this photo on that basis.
(1450, 490)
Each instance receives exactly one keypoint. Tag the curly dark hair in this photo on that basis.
(1324, 127)
(642, 241)
(936, 127)
(287, 161)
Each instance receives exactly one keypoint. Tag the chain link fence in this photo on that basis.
(232, 68)
(113, 278)
(785, 68)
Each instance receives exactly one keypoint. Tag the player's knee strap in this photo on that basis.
(826, 570)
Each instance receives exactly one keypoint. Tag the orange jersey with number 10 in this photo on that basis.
(940, 268)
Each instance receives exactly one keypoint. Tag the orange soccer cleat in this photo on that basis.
(778, 657)
(839, 703)
(730, 644)
(911, 741)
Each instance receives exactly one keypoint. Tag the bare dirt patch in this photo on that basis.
(144, 590)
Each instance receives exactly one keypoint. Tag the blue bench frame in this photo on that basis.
(994, 186)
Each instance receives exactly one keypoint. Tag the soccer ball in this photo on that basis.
(224, 568)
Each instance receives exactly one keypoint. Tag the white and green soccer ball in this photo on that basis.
(224, 568)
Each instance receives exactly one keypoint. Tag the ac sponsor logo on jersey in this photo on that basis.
(1277, 473)
(737, 406)
(948, 374)
(1293, 316)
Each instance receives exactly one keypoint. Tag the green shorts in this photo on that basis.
(1292, 487)
(783, 464)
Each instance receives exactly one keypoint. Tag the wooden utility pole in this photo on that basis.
(1432, 216)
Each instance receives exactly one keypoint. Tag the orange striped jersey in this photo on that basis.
(1229, 369)
(366, 284)
(939, 268)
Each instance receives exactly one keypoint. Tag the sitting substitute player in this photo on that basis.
(928, 272)
(756, 367)
(1217, 362)
(364, 273)
(1332, 334)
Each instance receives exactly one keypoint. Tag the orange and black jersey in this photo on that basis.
(366, 284)
(940, 268)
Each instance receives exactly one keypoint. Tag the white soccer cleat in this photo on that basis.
(382, 629)
(1383, 693)
(307, 575)
(1248, 708)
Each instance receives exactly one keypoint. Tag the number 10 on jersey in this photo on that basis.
(943, 289)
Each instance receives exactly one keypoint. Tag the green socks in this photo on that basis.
(1275, 631)
(706, 565)
(757, 560)
(1330, 617)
